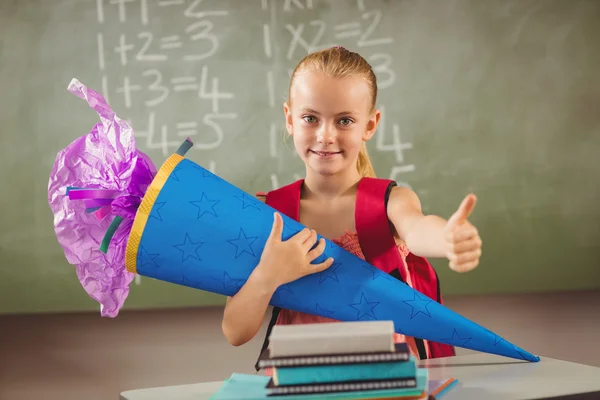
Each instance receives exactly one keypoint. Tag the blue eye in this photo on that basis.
(346, 121)
(309, 118)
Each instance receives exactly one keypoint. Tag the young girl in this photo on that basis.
(330, 115)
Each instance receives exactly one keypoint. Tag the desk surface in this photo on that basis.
(481, 376)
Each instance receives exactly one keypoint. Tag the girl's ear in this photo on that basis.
(287, 110)
(372, 125)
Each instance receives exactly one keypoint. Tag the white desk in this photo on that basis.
(481, 376)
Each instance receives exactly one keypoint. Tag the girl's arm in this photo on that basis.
(244, 312)
(431, 236)
(281, 262)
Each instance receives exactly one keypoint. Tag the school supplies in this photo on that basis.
(354, 371)
(390, 373)
(331, 337)
(116, 215)
(351, 340)
(252, 387)
(400, 354)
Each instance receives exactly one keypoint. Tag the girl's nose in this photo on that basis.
(326, 135)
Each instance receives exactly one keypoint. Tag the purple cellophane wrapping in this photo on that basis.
(105, 158)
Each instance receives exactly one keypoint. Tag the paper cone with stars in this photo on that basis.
(195, 229)
(225, 245)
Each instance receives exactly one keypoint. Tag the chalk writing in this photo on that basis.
(122, 8)
(143, 91)
(155, 141)
(267, 40)
(192, 12)
(144, 12)
(167, 3)
(202, 31)
(270, 76)
(156, 86)
(185, 83)
(365, 39)
(100, 43)
(143, 54)
(381, 63)
(297, 39)
(171, 79)
(347, 30)
(171, 42)
(187, 129)
(290, 4)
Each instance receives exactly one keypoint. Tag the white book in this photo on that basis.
(331, 338)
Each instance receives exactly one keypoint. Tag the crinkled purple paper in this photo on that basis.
(104, 158)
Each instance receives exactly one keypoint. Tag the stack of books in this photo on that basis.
(350, 360)
(335, 357)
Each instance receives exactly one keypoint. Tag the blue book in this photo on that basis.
(254, 387)
(345, 372)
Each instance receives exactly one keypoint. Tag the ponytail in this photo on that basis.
(363, 164)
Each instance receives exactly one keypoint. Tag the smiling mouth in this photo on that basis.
(325, 153)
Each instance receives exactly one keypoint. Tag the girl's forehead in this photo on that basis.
(317, 78)
(317, 90)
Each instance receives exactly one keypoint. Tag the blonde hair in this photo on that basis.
(339, 62)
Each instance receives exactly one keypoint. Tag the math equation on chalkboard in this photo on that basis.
(218, 72)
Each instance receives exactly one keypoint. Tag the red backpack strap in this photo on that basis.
(286, 199)
(426, 280)
(373, 227)
(379, 247)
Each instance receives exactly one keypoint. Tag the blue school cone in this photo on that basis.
(195, 229)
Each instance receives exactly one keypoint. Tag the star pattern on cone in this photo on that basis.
(457, 339)
(285, 288)
(155, 212)
(205, 206)
(377, 273)
(330, 273)
(191, 282)
(287, 232)
(189, 248)
(248, 202)
(229, 283)
(175, 171)
(323, 312)
(145, 259)
(204, 172)
(419, 305)
(365, 307)
(243, 244)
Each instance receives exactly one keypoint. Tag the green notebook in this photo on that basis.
(253, 387)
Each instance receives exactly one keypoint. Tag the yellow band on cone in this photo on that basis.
(143, 212)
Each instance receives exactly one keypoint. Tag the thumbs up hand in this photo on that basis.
(463, 244)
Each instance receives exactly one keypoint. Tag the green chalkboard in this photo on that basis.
(496, 97)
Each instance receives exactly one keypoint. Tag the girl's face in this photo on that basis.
(329, 118)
